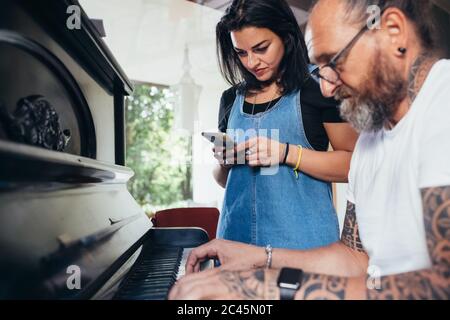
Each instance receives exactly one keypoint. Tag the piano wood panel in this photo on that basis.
(37, 218)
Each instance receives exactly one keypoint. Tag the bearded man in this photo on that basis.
(395, 243)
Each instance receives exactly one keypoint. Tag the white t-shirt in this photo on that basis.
(390, 168)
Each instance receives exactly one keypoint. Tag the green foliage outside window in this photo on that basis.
(157, 156)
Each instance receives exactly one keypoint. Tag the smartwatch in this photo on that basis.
(289, 282)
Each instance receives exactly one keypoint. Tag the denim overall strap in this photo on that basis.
(269, 205)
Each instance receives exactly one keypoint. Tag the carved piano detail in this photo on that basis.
(35, 122)
(44, 87)
(69, 228)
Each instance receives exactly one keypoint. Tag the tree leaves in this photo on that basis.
(159, 181)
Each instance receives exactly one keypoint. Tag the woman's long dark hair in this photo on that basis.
(277, 16)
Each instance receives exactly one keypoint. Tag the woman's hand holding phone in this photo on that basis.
(255, 152)
(223, 157)
(262, 151)
(224, 148)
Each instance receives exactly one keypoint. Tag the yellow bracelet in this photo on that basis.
(297, 167)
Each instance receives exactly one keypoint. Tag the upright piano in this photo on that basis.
(69, 228)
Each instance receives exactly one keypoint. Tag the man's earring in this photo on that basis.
(402, 50)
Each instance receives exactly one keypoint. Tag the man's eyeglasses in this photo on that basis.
(328, 72)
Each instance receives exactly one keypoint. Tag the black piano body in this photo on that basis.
(69, 228)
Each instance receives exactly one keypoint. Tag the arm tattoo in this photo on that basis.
(350, 233)
(248, 285)
(436, 202)
(433, 283)
(321, 287)
(272, 291)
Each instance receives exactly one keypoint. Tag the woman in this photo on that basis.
(262, 53)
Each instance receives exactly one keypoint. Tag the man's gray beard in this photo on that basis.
(372, 108)
(364, 116)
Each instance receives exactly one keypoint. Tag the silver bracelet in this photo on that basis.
(269, 256)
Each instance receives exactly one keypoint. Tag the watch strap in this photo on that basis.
(289, 282)
(287, 294)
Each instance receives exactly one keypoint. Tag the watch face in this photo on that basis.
(290, 278)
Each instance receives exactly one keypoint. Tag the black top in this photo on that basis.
(316, 110)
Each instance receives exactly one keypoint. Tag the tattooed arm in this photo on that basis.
(425, 284)
(346, 258)
(343, 258)
(433, 283)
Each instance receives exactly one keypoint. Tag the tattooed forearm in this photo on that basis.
(321, 287)
(421, 285)
(248, 285)
(272, 292)
(433, 283)
(350, 234)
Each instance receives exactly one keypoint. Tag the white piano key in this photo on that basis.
(182, 269)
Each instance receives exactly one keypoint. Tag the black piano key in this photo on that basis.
(151, 279)
(158, 296)
(150, 272)
(147, 262)
(136, 293)
(153, 274)
(156, 267)
(140, 289)
(148, 282)
(144, 289)
(149, 275)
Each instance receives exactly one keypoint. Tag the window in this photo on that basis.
(157, 156)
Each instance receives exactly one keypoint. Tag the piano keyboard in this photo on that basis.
(182, 268)
(154, 273)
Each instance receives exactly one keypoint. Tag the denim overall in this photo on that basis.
(276, 209)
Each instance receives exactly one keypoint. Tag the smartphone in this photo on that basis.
(223, 140)
(219, 139)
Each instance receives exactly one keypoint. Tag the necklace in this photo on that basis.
(268, 106)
